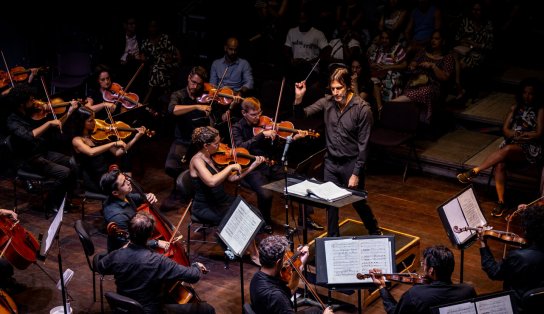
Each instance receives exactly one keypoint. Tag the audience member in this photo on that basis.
(231, 70)
(522, 130)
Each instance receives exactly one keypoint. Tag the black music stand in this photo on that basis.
(45, 245)
(237, 230)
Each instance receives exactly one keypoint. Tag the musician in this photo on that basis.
(93, 159)
(521, 269)
(140, 273)
(7, 281)
(239, 75)
(33, 142)
(122, 205)
(188, 114)
(262, 145)
(211, 202)
(348, 122)
(438, 263)
(95, 101)
(269, 293)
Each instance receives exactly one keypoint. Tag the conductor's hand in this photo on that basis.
(300, 90)
(377, 278)
(151, 198)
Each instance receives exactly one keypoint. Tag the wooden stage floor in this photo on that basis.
(408, 207)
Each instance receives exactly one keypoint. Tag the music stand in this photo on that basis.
(498, 302)
(46, 243)
(237, 230)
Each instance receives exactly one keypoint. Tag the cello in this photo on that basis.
(20, 247)
(180, 292)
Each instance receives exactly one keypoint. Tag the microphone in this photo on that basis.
(288, 141)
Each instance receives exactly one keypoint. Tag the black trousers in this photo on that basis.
(339, 173)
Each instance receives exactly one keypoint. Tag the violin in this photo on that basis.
(18, 74)
(20, 246)
(104, 131)
(225, 156)
(57, 104)
(284, 128)
(223, 96)
(116, 94)
(408, 278)
(502, 236)
(290, 260)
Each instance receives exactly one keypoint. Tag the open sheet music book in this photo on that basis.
(499, 303)
(462, 212)
(326, 191)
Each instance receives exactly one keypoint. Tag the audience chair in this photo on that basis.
(34, 181)
(185, 186)
(533, 301)
(73, 71)
(247, 309)
(83, 233)
(121, 305)
(397, 126)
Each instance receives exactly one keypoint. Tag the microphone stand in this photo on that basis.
(289, 232)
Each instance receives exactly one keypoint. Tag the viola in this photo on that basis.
(284, 128)
(104, 131)
(18, 74)
(223, 96)
(57, 104)
(7, 305)
(116, 94)
(225, 156)
(408, 278)
(502, 236)
(20, 246)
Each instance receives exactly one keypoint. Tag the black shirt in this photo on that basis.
(186, 123)
(269, 295)
(347, 132)
(140, 274)
(24, 144)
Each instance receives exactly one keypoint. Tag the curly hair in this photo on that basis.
(272, 249)
(204, 135)
(532, 221)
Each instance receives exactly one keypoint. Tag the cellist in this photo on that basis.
(122, 205)
(140, 273)
(7, 281)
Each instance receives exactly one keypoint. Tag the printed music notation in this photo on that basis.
(497, 305)
(326, 191)
(347, 257)
(240, 228)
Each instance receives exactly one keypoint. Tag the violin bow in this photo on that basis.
(7, 68)
(511, 216)
(310, 288)
(49, 101)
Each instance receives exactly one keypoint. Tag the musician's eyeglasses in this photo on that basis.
(196, 83)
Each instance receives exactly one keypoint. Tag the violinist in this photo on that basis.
(95, 101)
(93, 159)
(438, 264)
(140, 273)
(33, 142)
(122, 205)
(262, 145)
(8, 83)
(521, 269)
(268, 291)
(7, 281)
(188, 114)
(211, 202)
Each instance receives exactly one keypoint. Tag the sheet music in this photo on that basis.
(498, 305)
(347, 257)
(471, 209)
(301, 188)
(240, 227)
(463, 308)
(52, 231)
(455, 217)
